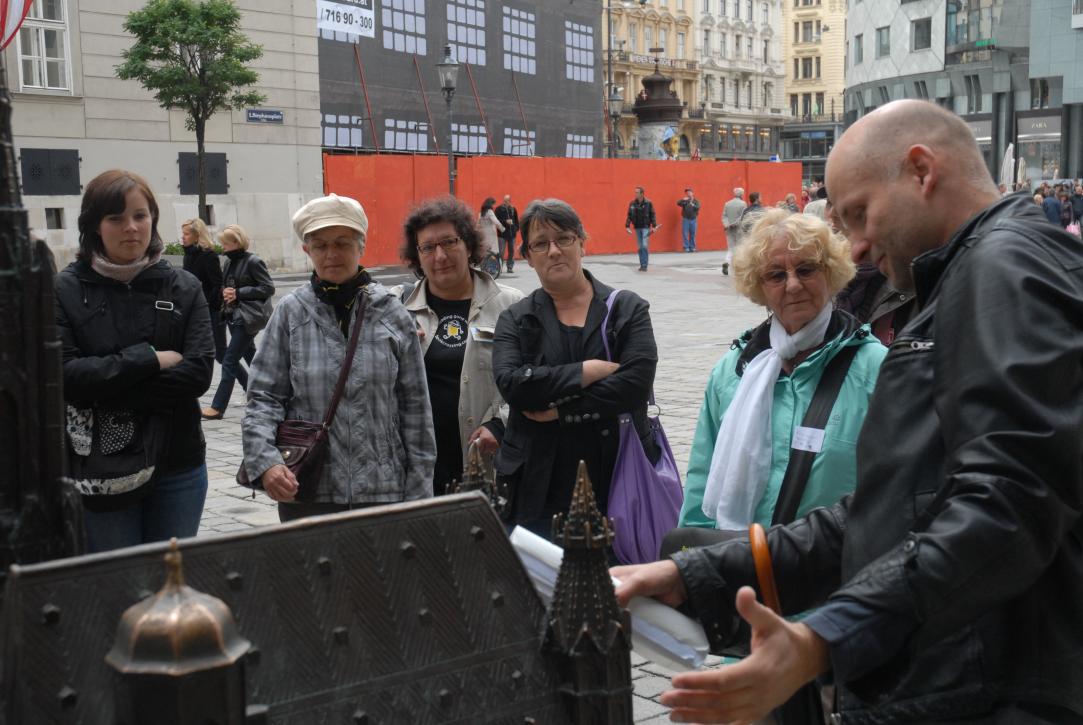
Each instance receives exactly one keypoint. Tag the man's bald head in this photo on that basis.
(878, 143)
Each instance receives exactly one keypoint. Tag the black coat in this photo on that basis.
(532, 375)
(207, 268)
(106, 330)
(248, 275)
(960, 553)
(508, 216)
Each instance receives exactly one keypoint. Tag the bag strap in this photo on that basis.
(800, 465)
(609, 301)
(162, 338)
(351, 348)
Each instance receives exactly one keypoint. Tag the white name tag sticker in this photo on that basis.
(808, 439)
(483, 334)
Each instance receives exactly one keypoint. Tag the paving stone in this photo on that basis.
(651, 686)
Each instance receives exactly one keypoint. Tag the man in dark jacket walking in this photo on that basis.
(949, 587)
(508, 216)
(641, 218)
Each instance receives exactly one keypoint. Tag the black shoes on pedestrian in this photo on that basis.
(642, 269)
(725, 268)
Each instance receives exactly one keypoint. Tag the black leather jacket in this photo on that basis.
(955, 571)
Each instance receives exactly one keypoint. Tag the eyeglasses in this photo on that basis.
(564, 241)
(777, 277)
(430, 247)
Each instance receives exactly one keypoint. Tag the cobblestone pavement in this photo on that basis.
(696, 314)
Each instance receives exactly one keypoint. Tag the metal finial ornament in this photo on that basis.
(478, 476)
(588, 635)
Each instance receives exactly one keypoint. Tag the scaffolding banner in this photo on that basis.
(351, 16)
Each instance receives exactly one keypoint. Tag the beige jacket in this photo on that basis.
(479, 400)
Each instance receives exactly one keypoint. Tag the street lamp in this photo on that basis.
(449, 74)
(616, 105)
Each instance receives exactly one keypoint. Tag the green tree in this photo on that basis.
(192, 56)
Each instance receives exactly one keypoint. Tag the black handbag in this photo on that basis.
(304, 444)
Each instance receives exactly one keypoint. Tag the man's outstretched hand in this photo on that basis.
(784, 657)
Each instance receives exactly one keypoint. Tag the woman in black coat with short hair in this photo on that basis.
(201, 260)
(550, 366)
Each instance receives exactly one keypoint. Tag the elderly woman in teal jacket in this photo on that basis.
(758, 394)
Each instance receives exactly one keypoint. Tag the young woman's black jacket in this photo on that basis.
(106, 329)
(207, 268)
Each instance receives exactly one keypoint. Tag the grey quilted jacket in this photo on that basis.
(382, 447)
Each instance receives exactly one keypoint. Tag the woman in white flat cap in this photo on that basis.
(382, 448)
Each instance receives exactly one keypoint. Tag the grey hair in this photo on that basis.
(555, 212)
(739, 192)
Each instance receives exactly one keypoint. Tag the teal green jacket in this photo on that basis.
(834, 470)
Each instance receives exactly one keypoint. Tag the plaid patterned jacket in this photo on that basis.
(382, 447)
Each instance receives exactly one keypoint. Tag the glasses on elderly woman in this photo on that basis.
(564, 241)
(776, 276)
(430, 247)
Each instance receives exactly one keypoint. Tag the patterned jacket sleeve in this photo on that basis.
(415, 413)
(269, 392)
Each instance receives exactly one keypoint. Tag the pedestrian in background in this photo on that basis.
(490, 227)
(508, 216)
(456, 306)
(689, 214)
(818, 208)
(731, 221)
(640, 218)
(201, 260)
(137, 353)
(246, 309)
(381, 447)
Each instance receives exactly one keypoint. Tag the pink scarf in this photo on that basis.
(127, 272)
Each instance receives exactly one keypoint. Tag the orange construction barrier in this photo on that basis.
(599, 189)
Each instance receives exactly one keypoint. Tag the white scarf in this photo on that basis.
(741, 462)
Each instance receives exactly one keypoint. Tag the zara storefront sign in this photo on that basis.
(263, 115)
(346, 16)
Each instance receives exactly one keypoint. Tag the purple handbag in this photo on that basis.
(644, 499)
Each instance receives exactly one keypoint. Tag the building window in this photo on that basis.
(518, 142)
(766, 14)
(737, 47)
(806, 104)
(819, 108)
(817, 66)
(633, 33)
(859, 49)
(1039, 92)
(748, 10)
(519, 47)
(736, 93)
(749, 89)
(342, 131)
(722, 9)
(404, 26)
(468, 138)
(816, 35)
(921, 34)
(722, 44)
(883, 42)
(578, 146)
(921, 90)
(973, 93)
(806, 31)
(578, 52)
(54, 218)
(885, 97)
(466, 30)
(793, 104)
(806, 67)
(648, 39)
(402, 135)
(43, 47)
(748, 47)
(767, 99)
(722, 90)
(797, 32)
(766, 51)
(707, 40)
(680, 45)
(797, 69)
(737, 9)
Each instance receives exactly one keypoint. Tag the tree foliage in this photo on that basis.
(192, 56)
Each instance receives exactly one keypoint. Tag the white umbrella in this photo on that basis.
(1007, 166)
(1021, 172)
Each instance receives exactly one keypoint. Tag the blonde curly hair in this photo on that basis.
(806, 235)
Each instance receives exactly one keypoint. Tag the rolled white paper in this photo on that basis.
(659, 633)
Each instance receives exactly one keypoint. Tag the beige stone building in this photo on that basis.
(73, 118)
(814, 49)
(636, 29)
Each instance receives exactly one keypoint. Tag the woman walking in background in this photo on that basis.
(490, 227)
(201, 260)
(246, 308)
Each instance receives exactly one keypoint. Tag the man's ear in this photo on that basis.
(922, 166)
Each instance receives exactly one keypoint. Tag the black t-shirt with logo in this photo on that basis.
(443, 369)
